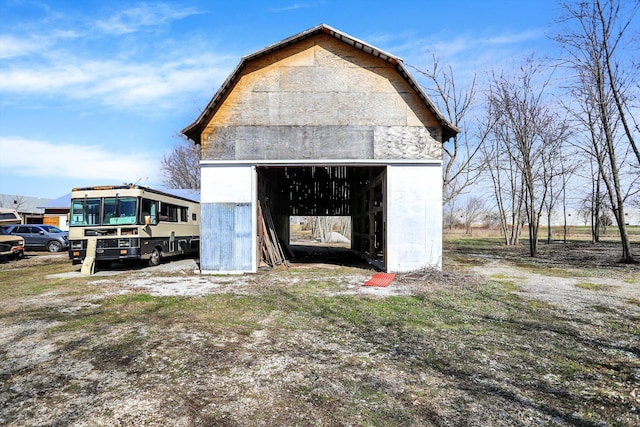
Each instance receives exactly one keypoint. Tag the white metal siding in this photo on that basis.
(222, 183)
(414, 217)
(227, 219)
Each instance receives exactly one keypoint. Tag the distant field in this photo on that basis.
(557, 233)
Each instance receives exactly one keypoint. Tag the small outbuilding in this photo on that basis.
(322, 124)
(56, 212)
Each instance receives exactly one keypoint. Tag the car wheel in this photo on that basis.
(54, 246)
(155, 257)
(19, 255)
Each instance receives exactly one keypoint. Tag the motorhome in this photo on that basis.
(132, 222)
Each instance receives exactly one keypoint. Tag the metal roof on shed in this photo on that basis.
(64, 202)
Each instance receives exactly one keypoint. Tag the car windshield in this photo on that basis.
(4, 231)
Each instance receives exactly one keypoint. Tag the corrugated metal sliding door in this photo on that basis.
(227, 247)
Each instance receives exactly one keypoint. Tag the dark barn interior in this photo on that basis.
(353, 191)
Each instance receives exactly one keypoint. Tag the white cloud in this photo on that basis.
(142, 17)
(155, 84)
(48, 159)
(468, 54)
(12, 46)
(293, 6)
(39, 78)
(83, 64)
(470, 47)
(512, 38)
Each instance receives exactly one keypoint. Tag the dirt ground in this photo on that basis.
(191, 376)
(554, 274)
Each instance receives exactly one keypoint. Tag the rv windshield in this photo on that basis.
(107, 211)
(85, 212)
(120, 210)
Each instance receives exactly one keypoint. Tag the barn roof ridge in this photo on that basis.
(194, 130)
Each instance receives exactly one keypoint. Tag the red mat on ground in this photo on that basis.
(380, 279)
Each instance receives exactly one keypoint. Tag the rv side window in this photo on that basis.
(149, 208)
(168, 212)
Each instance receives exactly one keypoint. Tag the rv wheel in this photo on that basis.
(155, 257)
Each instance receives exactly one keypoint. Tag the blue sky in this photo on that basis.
(94, 92)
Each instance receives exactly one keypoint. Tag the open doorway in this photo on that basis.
(325, 239)
(328, 213)
(331, 231)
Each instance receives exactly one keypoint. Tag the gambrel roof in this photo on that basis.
(194, 130)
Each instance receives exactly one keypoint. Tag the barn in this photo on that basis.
(321, 123)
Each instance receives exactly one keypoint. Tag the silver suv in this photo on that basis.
(40, 236)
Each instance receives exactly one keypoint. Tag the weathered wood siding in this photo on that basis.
(321, 99)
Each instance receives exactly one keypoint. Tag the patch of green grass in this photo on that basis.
(591, 286)
(462, 260)
(17, 281)
(38, 289)
(129, 298)
(320, 285)
(509, 285)
(67, 323)
(602, 308)
(230, 313)
(73, 387)
(475, 242)
(552, 271)
(506, 281)
(633, 301)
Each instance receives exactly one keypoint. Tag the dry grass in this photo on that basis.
(306, 347)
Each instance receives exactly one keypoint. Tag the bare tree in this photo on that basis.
(322, 227)
(593, 42)
(597, 196)
(13, 202)
(473, 209)
(556, 169)
(461, 167)
(529, 132)
(506, 183)
(450, 217)
(344, 223)
(568, 168)
(589, 147)
(612, 22)
(181, 168)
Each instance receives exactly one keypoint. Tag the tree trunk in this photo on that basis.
(615, 193)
